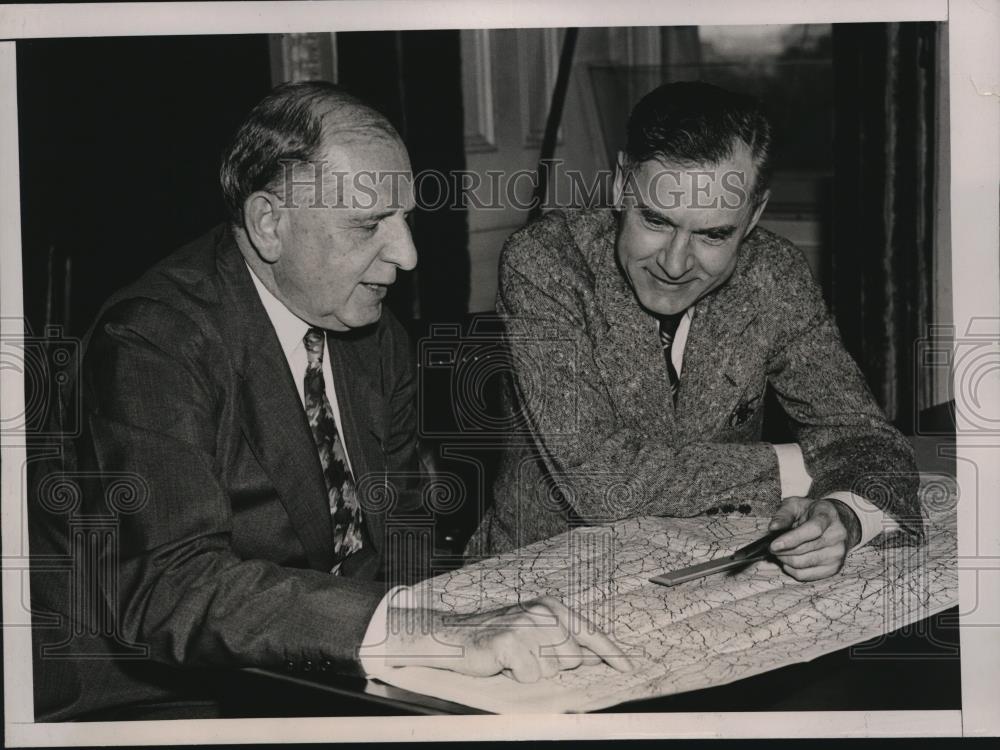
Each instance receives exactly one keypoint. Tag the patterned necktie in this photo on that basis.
(341, 493)
(668, 329)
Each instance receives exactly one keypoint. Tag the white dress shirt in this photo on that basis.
(291, 331)
(795, 480)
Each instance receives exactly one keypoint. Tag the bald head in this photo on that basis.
(296, 122)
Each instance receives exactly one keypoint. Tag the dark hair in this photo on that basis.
(289, 125)
(691, 123)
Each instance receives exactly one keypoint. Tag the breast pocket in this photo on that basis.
(746, 418)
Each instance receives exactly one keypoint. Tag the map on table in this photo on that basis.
(703, 633)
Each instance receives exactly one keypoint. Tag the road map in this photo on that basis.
(698, 634)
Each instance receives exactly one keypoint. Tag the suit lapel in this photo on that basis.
(274, 422)
(713, 375)
(629, 352)
(357, 373)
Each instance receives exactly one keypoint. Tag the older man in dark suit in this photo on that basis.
(261, 402)
(643, 340)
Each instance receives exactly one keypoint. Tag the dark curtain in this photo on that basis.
(120, 141)
(884, 203)
(415, 78)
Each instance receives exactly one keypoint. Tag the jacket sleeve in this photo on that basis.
(847, 442)
(607, 469)
(153, 400)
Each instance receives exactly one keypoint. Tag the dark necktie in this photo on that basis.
(341, 493)
(668, 329)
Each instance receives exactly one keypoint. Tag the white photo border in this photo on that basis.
(974, 62)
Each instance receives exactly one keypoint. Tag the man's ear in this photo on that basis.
(618, 187)
(758, 210)
(261, 217)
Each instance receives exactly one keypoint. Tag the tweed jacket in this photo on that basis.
(602, 440)
(222, 558)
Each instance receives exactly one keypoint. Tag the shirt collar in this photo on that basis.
(290, 328)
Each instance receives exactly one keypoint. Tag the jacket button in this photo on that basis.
(711, 511)
(728, 508)
(744, 509)
(307, 666)
(325, 665)
(290, 665)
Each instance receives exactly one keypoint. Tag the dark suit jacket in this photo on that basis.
(591, 384)
(197, 458)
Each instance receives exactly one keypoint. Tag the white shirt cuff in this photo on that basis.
(371, 653)
(873, 520)
(795, 480)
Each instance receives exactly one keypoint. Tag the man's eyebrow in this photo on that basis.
(365, 217)
(651, 213)
(724, 229)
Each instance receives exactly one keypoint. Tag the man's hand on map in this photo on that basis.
(820, 536)
(527, 641)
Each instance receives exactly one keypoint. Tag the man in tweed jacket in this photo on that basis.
(613, 432)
